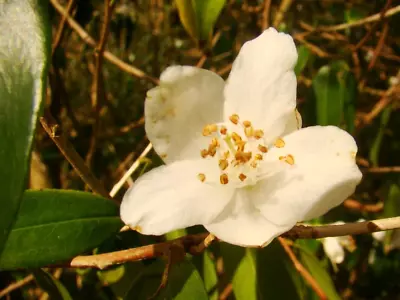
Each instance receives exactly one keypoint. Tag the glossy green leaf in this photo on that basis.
(377, 143)
(335, 91)
(199, 16)
(210, 276)
(303, 56)
(24, 51)
(319, 273)
(277, 278)
(54, 288)
(55, 225)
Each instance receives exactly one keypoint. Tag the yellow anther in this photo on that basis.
(137, 228)
(242, 177)
(209, 129)
(234, 119)
(236, 138)
(249, 131)
(262, 148)
(246, 124)
(290, 159)
(201, 177)
(282, 157)
(253, 164)
(240, 145)
(223, 130)
(258, 134)
(223, 179)
(223, 164)
(258, 156)
(214, 142)
(243, 157)
(279, 143)
(204, 153)
(226, 154)
(212, 150)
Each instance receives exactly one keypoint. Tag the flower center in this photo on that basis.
(238, 148)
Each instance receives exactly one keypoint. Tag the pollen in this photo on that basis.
(240, 145)
(212, 150)
(234, 119)
(223, 164)
(242, 177)
(279, 143)
(209, 129)
(258, 134)
(246, 124)
(249, 131)
(243, 157)
(204, 153)
(262, 148)
(201, 177)
(223, 179)
(289, 159)
(258, 156)
(236, 138)
(223, 130)
(214, 142)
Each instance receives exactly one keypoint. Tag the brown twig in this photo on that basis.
(226, 292)
(356, 205)
(265, 14)
(60, 30)
(107, 55)
(370, 19)
(302, 271)
(380, 170)
(379, 46)
(280, 14)
(54, 131)
(97, 91)
(105, 260)
(16, 285)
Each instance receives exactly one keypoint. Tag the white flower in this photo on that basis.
(236, 159)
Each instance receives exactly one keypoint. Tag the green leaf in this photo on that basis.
(52, 286)
(319, 273)
(199, 16)
(335, 91)
(55, 225)
(24, 52)
(303, 56)
(210, 276)
(392, 202)
(377, 143)
(277, 278)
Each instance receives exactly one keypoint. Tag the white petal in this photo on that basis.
(333, 249)
(172, 197)
(262, 85)
(186, 100)
(242, 224)
(294, 123)
(323, 175)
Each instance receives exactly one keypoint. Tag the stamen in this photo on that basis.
(249, 131)
(212, 150)
(223, 130)
(204, 153)
(209, 129)
(223, 164)
(262, 148)
(236, 138)
(253, 164)
(279, 143)
(258, 156)
(223, 179)
(201, 177)
(226, 154)
(258, 134)
(234, 119)
(242, 177)
(240, 145)
(246, 124)
(214, 142)
(290, 159)
(243, 157)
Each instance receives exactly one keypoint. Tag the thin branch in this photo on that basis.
(132, 169)
(107, 55)
(265, 14)
(280, 14)
(302, 271)
(54, 131)
(105, 260)
(16, 285)
(60, 30)
(380, 170)
(370, 19)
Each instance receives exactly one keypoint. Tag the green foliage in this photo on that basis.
(55, 289)
(199, 16)
(49, 220)
(335, 92)
(24, 49)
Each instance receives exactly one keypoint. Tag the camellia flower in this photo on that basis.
(236, 159)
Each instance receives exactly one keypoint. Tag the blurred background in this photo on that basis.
(105, 59)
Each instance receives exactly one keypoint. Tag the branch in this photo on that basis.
(191, 243)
